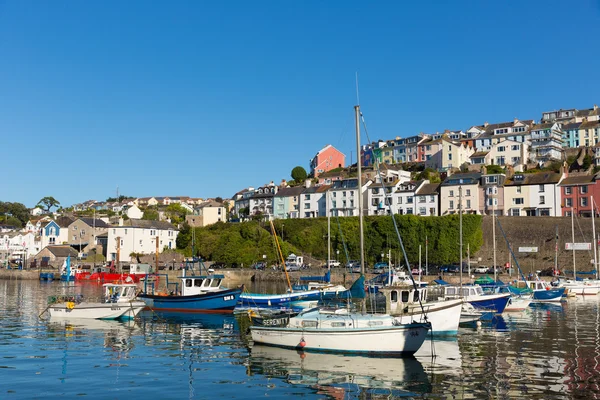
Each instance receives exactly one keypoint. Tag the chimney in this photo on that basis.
(307, 183)
(564, 171)
(515, 120)
(595, 107)
(485, 124)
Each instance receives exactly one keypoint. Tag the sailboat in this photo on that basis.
(316, 288)
(341, 330)
(578, 286)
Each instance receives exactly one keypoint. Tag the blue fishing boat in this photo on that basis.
(66, 273)
(196, 294)
(473, 294)
(542, 291)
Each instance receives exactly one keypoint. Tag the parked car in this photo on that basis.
(352, 263)
(481, 270)
(259, 265)
(219, 265)
(416, 271)
(334, 263)
(292, 267)
(380, 265)
(449, 268)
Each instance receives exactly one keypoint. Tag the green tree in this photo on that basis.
(494, 169)
(150, 214)
(299, 174)
(587, 162)
(47, 203)
(16, 210)
(176, 212)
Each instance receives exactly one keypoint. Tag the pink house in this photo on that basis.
(327, 159)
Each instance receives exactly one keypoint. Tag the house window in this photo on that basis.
(422, 199)
(307, 206)
(542, 200)
(584, 201)
(449, 156)
(352, 194)
(515, 147)
(515, 212)
(399, 200)
(518, 189)
(583, 189)
(125, 231)
(422, 211)
(568, 202)
(492, 202)
(432, 199)
(451, 193)
(409, 211)
(451, 205)
(468, 192)
(518, 200)
(334, 194)
(501, 148)
(344, 193)
(541, 189)
(409, 200)
(468, 204)
(375, 191)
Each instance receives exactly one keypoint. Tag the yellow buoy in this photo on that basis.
(70, 305)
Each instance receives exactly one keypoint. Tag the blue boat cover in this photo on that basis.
(440, 282)
(357, 290)
(324, 278)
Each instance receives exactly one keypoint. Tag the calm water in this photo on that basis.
(547, 352)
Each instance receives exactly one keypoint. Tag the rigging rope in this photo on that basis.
(389, 205)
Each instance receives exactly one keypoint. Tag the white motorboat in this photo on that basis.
(409, 304)
(119, 302)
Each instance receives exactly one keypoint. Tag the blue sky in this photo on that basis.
(206, 98)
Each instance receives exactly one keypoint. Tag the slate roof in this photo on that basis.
(429, 188)
(146, 224)
(480, 154)
(64, 221)
(62, 251)
(469, 178)
(98, 224)
(577, 180)
(571, 126)
(290, 191)
(540, 178)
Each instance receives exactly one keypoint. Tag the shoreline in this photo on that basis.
(238, 276)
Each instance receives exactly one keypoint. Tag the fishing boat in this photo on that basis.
(109, 273)
(519, 301)
(342, 330)
(195, 294)
(474, 295)
(119, 302)
(542, 290)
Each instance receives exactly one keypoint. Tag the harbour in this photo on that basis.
(546, 351)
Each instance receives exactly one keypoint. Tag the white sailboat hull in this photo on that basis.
(582, 289)
(96, 310)
(392, 340)
(444, 316)
(518, 304)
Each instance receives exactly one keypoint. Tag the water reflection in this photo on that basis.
(341, 376)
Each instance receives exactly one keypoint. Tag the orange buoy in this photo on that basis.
(302, 343)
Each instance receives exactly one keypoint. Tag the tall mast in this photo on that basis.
(594, 241)
(573, 244)
(556, 250)
(360, 200)
(328, 207)
(494, 234)
(460, 233)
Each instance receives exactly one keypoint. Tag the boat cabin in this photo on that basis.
(192, 285)
(141, 269)
(398, 298)
(454, 292)
(119, 292)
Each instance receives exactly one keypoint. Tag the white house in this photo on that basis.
(18, 246)
(208, 213)
(313, 201)
(134, 212)
(427, 199)
(343, 197)
(139, 236)
(460, 190)
(533, 194)
(503, 153)
(380, 196)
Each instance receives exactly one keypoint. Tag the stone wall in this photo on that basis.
(537, 232)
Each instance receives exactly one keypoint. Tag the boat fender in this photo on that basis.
(302, 343)
(70, 305)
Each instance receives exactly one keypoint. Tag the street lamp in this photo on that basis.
(173, 268)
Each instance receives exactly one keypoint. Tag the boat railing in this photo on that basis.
(151, 285)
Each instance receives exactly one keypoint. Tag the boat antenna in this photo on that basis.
(357, 95)
(389, 204)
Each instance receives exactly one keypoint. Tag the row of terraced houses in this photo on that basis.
(514, 145)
